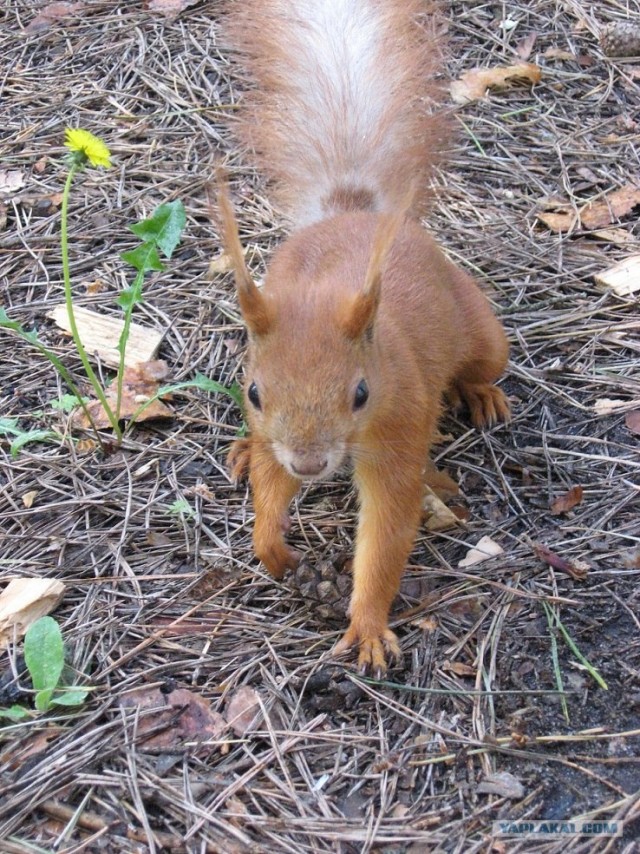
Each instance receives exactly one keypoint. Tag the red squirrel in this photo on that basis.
(362, 326)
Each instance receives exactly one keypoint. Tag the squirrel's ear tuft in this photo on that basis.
(359, 314)
(253, 305)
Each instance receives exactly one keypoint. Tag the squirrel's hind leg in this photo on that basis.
(483, 355)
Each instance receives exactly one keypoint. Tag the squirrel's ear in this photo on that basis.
(359, 315)
(253, 305)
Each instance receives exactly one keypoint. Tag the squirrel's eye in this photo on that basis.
(253, 395)
(361, 396)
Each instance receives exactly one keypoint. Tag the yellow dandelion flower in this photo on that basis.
(88, 147)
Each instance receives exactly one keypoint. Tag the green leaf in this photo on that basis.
(24, 438)
(6, 321)
(42, 701)
(44, 655)
(71, 697)
(181, 507)
(144, 258)
(132, 295)
(68, 402)
(15, 713)
(9, 427)
(234, 391)
(164, 227)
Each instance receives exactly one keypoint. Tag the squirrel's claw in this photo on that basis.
(238, 458)
(277, 557)
(487, 403)
(375, 649)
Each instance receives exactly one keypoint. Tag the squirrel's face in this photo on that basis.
(308, 395)
(313, 381)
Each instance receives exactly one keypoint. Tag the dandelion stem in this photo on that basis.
(64, 245)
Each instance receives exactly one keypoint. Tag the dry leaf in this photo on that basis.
(29, 497)
(30, 746)
(567, 501)
(97, 286)
(438, 517)
(243, 710)
(503, 784)
(428, 624)
(576, 569)
(173, 718)
(156, 539)
(474, 84)
(631, 560)
(11, 180)
(593, 215)
(171, 8)
(559, 221)
(462, 514)
(202, 490)
(632, 420)
(617, 236)
(3, 216)
(52, 13)
(25, 600)
(623, 278)
(459, 668)
(485, 549)
(525, 46)
(222, 264)
(558, 53)
(607, 406)
(610, 207)
(139, 384)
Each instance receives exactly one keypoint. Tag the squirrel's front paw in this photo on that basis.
(374, 648)
(276, 555)
(238, 458)
(487, 403)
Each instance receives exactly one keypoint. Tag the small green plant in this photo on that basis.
(182, 508)
(44, 657)
(159, 234)
(19, 437)
(554, 622)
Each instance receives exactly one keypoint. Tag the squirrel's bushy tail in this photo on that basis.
(339, 113)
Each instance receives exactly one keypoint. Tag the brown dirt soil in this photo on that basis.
(154, 542)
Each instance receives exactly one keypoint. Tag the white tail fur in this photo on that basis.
(339, 116)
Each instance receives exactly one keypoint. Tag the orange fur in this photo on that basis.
(359, 303)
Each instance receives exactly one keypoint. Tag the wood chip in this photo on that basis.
(25, 600)
(623, 278)
(100, 334)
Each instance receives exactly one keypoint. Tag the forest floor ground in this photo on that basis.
(153, 540)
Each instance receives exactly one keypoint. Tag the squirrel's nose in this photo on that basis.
(308, 465)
